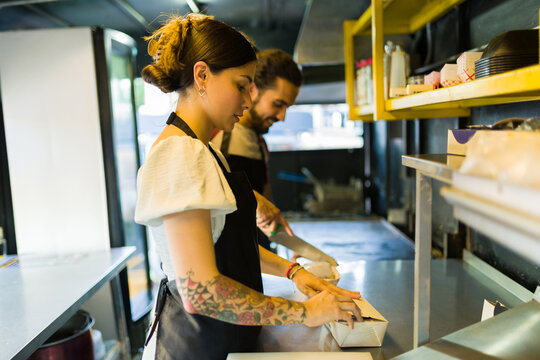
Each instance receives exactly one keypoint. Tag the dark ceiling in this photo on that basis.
(271, 23)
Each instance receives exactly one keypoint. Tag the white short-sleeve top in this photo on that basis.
(180, 173)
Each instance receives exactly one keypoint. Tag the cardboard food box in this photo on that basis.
(395, 92)
(433, 78)
(465, 65)
(457, 141)
(369, 332)
(449, 76)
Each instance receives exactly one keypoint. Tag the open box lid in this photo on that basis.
(368, 311)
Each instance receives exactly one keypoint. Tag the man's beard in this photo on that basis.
(257, 121)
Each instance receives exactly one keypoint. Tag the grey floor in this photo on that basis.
(353, 240)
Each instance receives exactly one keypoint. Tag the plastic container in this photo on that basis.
(398, 70)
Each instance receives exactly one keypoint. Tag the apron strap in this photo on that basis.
(160, 303)
(225, 143)
(181, 124)
(223, 168)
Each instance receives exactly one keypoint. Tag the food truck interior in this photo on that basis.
(426, 239)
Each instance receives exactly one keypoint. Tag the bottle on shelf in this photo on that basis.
(398, 68)
(364, 82)
(388, 48)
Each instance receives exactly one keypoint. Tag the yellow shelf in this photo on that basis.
(364, 113)
(514, 86)
(406, 16)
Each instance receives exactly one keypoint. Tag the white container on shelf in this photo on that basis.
(398, 69)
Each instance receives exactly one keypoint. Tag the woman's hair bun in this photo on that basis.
(182, 41)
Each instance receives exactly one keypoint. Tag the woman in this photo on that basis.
(202, 216)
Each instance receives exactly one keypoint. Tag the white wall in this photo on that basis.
(50, 106)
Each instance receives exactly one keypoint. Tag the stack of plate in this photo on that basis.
(509, 51)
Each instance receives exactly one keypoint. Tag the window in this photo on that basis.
(316, 127)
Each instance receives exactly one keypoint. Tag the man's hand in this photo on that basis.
(269, 217)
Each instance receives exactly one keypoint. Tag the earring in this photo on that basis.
(202, 91)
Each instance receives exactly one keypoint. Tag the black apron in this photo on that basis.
(256, 171)
(191, 336)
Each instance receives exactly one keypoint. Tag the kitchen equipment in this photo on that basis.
(301, 247)
(512, 43)
(509, 51)
(333, 198)
(72, 341)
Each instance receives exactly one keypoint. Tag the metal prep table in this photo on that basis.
(38, 294)
(458, 291)
(428, 167)
(502, 224)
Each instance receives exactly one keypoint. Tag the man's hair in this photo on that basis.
(274, 63)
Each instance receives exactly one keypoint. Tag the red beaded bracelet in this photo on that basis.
(290, 268)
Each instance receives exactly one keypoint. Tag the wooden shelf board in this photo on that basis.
(518, 85)
(406, 16)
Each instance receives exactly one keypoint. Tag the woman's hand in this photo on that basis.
(326, 307)
(269, 216)
(311, 285)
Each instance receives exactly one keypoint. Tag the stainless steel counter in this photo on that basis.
(428, 167)
(38, 294)
(457, 289)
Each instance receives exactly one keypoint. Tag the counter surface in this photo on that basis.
(458, 291)
(40, 293)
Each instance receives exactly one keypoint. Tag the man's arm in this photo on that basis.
(269, 216)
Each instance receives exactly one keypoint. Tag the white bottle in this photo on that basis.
(388, 48)
(360, 95)
(369, 82)
(398, 72)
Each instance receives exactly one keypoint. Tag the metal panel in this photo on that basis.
(422, 260)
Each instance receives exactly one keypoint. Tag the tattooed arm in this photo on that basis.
(207, 292)
(228, 300)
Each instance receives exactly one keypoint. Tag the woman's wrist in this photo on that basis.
(292, 270)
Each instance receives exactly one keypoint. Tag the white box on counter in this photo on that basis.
(369, 332)
(457, 141)
(301, 356)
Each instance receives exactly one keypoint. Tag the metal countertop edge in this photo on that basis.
(47, 332)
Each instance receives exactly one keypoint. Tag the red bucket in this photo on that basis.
(72, 341)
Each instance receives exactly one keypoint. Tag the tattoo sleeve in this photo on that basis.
(227, 300)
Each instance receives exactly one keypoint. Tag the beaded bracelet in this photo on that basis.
(290, 268)
(298, 268)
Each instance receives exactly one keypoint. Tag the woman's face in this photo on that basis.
(227, 95)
